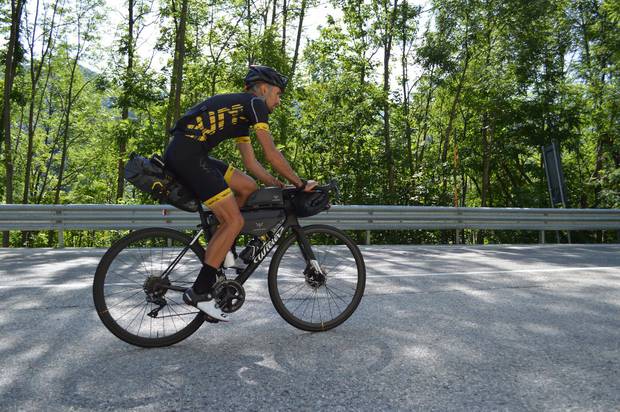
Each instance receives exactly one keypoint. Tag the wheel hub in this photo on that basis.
(155, 288)
(314, 278)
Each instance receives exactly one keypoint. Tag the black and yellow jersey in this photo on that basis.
(224, 116)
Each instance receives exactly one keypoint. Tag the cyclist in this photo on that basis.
(221, 187)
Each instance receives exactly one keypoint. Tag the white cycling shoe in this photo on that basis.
(208, 307)
(205, 304)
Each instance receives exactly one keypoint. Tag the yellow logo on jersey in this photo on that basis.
(217, 121)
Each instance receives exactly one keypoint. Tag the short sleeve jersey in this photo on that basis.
(221, 117)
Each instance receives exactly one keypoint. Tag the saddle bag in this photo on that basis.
(151, 176)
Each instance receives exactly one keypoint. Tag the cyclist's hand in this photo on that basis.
(310, 185)
(277, 183)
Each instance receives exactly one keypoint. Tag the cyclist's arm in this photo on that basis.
(275, 157)
(254, 167)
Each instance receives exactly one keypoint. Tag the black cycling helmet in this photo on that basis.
(265, 74)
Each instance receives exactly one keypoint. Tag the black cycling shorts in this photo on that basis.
(204, 175)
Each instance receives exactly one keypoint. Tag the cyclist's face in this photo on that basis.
(272, 96)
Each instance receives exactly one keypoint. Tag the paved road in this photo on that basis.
(440, 328)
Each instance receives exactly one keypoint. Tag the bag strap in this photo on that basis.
(156, 159)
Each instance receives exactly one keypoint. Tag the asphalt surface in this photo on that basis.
(439, 328)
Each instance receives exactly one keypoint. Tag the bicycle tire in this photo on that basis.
(278, 276)
(122, 255)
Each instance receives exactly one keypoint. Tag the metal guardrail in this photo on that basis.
(115, 217)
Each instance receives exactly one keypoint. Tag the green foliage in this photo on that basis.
(487, 84)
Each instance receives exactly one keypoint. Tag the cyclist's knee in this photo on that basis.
(239, 222)
(248, 187)
(252, 187)
(233, 223)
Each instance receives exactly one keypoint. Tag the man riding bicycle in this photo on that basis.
(218, 185)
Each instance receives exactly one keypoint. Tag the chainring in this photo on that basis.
(229, 295)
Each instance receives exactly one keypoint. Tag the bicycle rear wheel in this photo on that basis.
(317, 301)
(129, 286)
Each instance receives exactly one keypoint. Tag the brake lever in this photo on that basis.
(333, 186)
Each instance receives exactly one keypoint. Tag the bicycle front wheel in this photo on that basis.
(131, 291)
(317, 301)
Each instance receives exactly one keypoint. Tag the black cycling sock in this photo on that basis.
(205, 280)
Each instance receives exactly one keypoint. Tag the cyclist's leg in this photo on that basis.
(205, 177)
(241, 184)
(231, 222)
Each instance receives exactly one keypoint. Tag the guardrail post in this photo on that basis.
(368, 237)
(542, 236)
(61, 232)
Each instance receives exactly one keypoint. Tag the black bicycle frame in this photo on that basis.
(290, 222)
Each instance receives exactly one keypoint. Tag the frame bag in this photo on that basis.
(151, 176)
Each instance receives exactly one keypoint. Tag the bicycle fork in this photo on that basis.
(306, 249)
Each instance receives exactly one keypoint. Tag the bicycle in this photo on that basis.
(138, 284)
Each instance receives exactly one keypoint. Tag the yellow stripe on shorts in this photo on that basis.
(261, 126)
(242, 139)
(220, 196)
(228, 174)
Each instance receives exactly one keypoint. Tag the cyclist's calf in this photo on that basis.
(231, 223)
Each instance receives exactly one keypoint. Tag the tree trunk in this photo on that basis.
(122, 137)
(283, 123)
(419, 153)
(176, 80)
(405, 81)
(9, 74)
(35, 75)
(181, 58)
(387, 52)
(488, 130)
(273, 13)
(304, 4)
(455, 102)
(249, 15)
(65, 130)
(284, 22)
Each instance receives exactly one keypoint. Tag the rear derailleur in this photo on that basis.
(155, 288)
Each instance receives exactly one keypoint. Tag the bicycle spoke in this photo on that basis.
(126, 278)
(298, 306)
(330, 294)
(339, 297)
(127, 298)
(328, 253)
(130, 310)
(141, 320)
(318, 301)
(122, 291)
(300, 287)
(291, 288)
(341, 290)
(172, 318)
(135, 317)
(184, 305)
(329, 305)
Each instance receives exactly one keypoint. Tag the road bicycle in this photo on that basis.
(316, 276)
